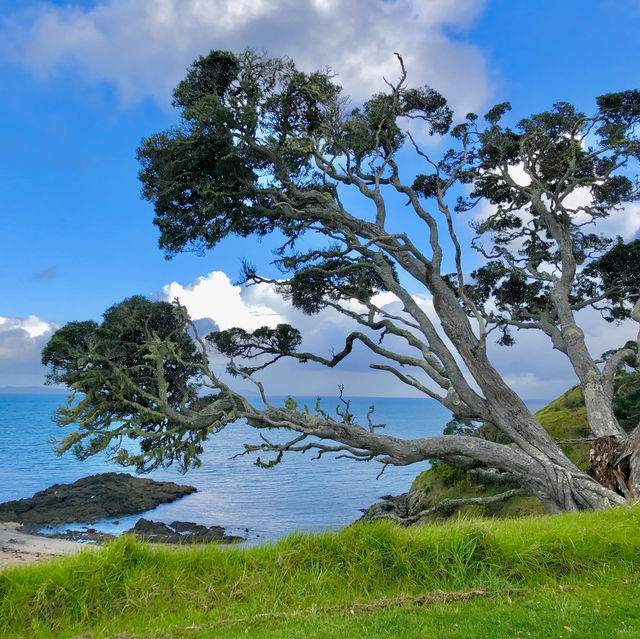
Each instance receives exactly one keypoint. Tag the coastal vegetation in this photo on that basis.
(265, 149)
(557, 576)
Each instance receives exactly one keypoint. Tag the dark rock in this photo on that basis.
(147, 528)
(180, 532)
(90, 535)
(94, 497)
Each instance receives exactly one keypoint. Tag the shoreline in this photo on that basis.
(19, 548)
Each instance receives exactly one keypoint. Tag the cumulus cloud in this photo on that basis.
(214, 296)
(21, 342)
(143, 47)
(532, 367)
(623, 221)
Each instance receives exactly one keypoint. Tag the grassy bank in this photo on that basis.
(460, 579)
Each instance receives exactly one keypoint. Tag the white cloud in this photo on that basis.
(624, 221)
(531, 367)
(143, 47)
(32, 325)
(21, 343)
(213, 296)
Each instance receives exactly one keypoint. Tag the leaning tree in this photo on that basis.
(264, 148)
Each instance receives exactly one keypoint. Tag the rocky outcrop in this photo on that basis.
(185, 532)
(177, 532)
(94, 497)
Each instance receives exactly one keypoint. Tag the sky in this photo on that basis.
(84, 82)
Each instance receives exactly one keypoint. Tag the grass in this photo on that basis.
(435, 488)
(464, 578)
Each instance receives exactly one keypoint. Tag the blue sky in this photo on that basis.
(84, 82)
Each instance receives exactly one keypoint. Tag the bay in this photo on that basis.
(299, 494)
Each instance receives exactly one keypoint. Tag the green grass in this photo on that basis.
(503, 571)
(597, 612)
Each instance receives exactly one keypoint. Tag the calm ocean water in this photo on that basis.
(298, 494)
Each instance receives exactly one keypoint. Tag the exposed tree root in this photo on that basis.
(446, 506)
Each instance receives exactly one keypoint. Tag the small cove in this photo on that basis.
(299, 494)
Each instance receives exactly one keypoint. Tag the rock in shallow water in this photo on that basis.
(181, 532)
(90, 498)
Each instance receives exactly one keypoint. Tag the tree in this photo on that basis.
(544, 264)
(263, 148)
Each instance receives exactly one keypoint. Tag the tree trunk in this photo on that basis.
(556, 481)
(596, 388)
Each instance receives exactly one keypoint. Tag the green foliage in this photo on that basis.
(621, 112)
(618, 273)
(561, 150)
(120, 371)
(333, 280)
(626, 400)
(494, 114)
(245, 149)
(132, 587)
(447, 474)
(210, 75)
(375, 125)
(276, 342)
(210, 177)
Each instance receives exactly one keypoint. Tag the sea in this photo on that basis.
(261, 504)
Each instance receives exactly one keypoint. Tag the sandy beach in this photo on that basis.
(17, 547)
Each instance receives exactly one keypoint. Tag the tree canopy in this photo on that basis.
(263, 147)
(133, 373)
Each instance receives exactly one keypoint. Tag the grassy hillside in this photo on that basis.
(566, 418)
(531, 577)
